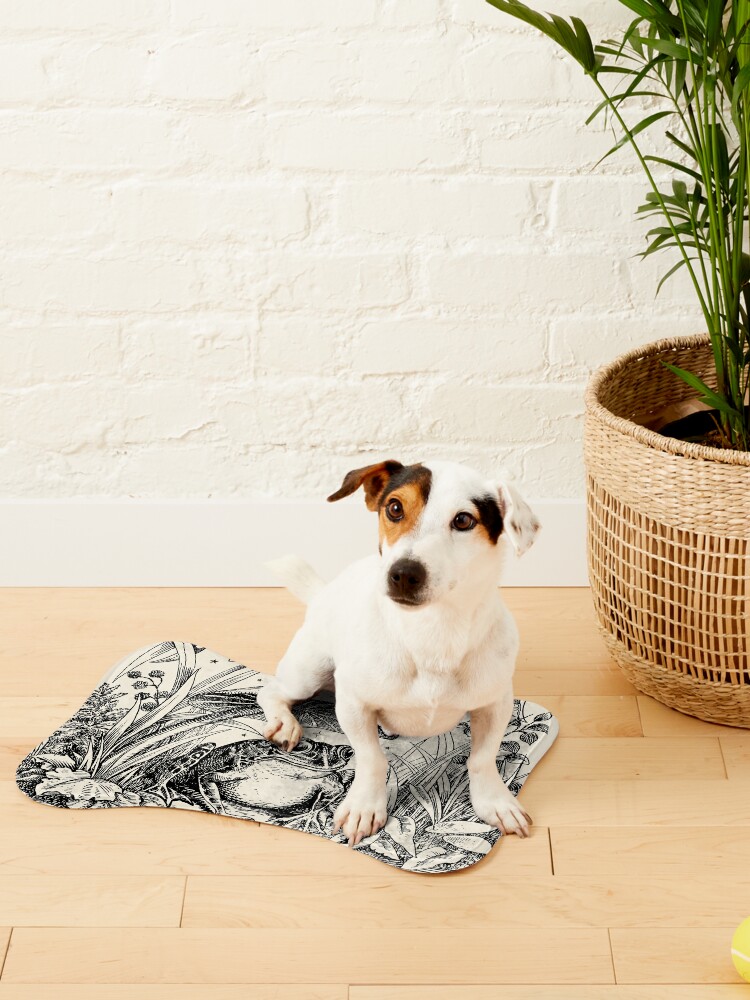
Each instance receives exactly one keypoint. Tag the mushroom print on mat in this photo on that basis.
(177, 726)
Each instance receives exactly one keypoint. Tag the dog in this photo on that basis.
(414, 637)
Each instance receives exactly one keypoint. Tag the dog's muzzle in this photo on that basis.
(407, 579)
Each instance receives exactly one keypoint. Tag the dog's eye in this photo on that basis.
(463, 521)
(394, 511)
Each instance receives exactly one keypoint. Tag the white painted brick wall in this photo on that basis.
(246, 246)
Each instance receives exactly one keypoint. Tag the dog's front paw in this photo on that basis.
(361, 814)
(281, 726)
(493, 803)
(283, 730)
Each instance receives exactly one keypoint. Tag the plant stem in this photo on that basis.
(655, 189)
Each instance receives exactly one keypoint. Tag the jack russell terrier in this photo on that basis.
(414, 637)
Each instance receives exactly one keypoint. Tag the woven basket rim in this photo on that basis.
(647, 437)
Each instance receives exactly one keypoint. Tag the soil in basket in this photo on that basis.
(698, 428)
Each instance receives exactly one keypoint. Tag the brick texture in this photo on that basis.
(246, 246)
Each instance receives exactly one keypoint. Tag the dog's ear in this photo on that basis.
(374, 478)
(519, 521)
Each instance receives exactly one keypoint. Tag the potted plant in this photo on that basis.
(667, 434)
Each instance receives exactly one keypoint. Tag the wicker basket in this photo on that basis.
(668, 539)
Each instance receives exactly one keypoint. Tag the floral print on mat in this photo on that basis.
(177, 726)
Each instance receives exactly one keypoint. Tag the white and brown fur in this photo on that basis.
(415, 636)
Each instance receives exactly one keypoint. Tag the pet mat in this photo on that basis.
(177, 726)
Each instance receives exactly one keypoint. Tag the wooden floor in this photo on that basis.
(637, 871)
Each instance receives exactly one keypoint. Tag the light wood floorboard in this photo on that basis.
(239, 955)
(622, 759)
(636, 802)
(712, 992)
(102, 900)
(673, 954)
(736, 752)
(658, 720)
(308, 991)
(539, 684)
(643, 852)
(527, 901)
(183, 991)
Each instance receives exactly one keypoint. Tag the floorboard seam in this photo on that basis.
(184, 894)
(723, 758)
(638, 710)
(551, 855)
(7, 952)
(612, 956)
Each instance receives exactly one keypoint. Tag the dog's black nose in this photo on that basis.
(406, 578)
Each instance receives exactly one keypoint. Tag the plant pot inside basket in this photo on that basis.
(701, 427)
(669, 539)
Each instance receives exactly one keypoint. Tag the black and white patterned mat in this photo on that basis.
(176, 726)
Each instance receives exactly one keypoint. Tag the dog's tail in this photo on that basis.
(297, 576)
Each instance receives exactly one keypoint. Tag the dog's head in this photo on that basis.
(442, 527)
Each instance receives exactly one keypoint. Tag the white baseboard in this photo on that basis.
(139, 543)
